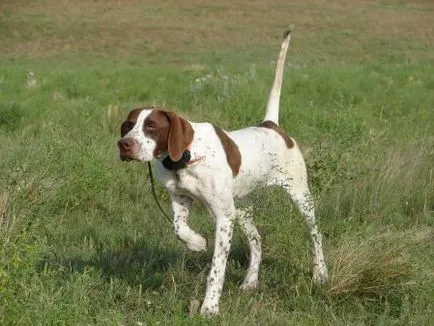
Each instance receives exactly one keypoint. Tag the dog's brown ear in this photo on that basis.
(180, 136)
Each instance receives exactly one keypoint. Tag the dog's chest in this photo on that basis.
(184, 181)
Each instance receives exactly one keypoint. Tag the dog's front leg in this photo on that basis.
(224, 216)
(181, 210)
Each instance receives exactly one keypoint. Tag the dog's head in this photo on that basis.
(150, 132)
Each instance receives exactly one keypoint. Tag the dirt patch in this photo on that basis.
(337, 30)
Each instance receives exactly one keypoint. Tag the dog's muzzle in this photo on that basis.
(127, 149)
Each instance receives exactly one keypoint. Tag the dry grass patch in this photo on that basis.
(378, 266)
(175, 31)
(4, 200)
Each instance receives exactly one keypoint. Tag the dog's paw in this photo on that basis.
(209, 310)
(198, 244)
(249, 285)
(320, 275)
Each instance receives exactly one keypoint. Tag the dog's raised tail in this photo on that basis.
(272, 112)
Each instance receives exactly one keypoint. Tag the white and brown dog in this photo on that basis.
(201, 161)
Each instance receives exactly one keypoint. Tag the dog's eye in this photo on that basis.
(149, 127)
(126, 127)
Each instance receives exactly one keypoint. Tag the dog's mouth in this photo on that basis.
(128, 149)
(127, 155)
(125, 158)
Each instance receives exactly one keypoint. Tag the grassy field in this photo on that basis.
(81, 239)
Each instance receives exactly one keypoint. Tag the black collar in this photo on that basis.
(177, 165)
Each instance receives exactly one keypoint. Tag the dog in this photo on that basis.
(204, 162)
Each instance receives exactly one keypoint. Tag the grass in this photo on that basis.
(227, 32)
(82, 241)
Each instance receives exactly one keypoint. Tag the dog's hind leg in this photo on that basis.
(245, 221)
(293, 178)
(302, 198)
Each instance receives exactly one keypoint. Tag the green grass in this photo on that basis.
(82, 241)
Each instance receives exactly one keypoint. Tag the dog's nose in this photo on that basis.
(126, 143)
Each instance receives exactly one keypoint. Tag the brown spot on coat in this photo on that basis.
(180, 135)
(271, 125)
(233, 155)
(134, 114)
(157, 127)
(130, 122)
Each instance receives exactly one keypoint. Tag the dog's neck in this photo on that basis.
(171, 165)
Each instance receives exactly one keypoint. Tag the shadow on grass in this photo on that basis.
(145, 262)
(137, 262)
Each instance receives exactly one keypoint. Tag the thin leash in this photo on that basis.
(151, 177)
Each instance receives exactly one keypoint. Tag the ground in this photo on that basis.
(82, 241)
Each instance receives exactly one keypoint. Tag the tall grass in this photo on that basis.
(82, 240)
